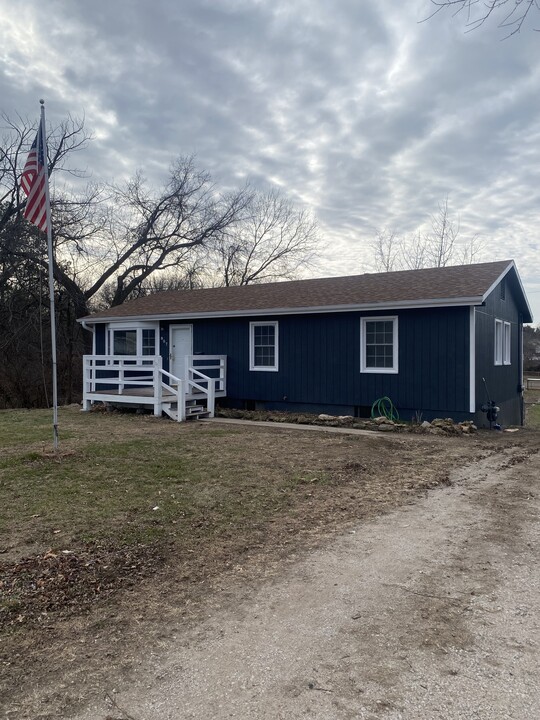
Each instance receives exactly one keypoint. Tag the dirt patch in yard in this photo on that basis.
(93, 608)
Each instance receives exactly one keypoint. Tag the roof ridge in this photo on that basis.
(330, 278)
(450, 285)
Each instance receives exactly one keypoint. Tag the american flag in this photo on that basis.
(33, 182)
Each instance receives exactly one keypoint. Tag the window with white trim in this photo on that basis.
(148, 341)
(503, 342)
(134, 339)
(379, 344)
(263, 346)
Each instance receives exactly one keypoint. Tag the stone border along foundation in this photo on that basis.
(439, 426)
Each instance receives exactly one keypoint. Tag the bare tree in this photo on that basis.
(414, 252)
(441, 239)
(387, 247)
(470, 251)
(186, 277)
(154, 230)
(121, 236)
(269, 240)
(510, 15)
(441, 245)
(273, 241)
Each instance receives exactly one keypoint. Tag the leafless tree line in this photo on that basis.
(441, 245)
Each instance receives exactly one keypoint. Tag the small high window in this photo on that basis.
(263, 346)
(379, 345)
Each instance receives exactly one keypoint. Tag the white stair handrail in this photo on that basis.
(209, 390)
(176, 388)
(216, 363)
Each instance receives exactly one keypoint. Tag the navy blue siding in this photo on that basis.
(319, 362)
(503, 381)
(164, 344)
(100, 339)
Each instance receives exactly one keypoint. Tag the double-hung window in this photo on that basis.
(263, 346)
(148, 341)
(503, 342)
(379, 344)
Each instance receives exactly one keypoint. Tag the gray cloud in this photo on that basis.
(354, 109)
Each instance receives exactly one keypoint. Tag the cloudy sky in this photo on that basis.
(354, 109)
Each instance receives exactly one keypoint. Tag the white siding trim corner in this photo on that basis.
(472, 359)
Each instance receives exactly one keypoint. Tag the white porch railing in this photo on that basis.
(215, 369)
(141, 380)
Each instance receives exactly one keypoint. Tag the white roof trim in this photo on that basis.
(498, 280)
(366, 307)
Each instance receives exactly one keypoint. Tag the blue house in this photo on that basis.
(433, 340)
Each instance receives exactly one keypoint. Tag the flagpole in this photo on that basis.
(43, 144)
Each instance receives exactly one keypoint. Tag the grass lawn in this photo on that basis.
(127, 493)
(131, 479)
(127, 480)
(137, 522)
(532, 404)
(533, 416)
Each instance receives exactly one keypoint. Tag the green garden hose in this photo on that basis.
(384, 407)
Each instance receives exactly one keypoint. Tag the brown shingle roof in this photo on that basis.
(408, 286)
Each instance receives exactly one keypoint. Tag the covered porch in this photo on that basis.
(141, 380)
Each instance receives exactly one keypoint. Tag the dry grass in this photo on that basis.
(138, 520)
(532, 404)
(132, 479)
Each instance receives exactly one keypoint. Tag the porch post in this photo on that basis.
(87, 383)
(158, 390)
(181, 402)
(121, 376)
(223, 374)
(188, 360)
(211, 402)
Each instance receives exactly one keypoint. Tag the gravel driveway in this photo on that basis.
(432, 611)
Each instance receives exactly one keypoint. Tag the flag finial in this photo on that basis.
(42, 102)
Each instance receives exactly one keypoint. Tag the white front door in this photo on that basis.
(181, 345)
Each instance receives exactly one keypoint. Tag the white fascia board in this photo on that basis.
(498, 280)
(367, 307)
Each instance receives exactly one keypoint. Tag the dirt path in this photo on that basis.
(432, 611)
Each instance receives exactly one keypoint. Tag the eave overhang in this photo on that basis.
(364, 307)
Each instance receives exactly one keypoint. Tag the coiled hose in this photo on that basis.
(384, 407)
